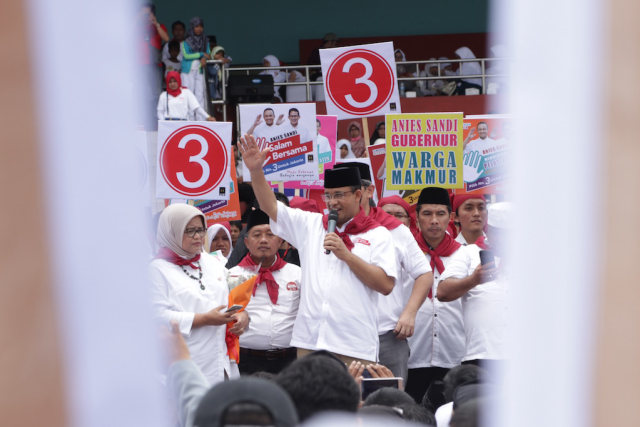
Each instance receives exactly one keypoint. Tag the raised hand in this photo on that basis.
(252, 156)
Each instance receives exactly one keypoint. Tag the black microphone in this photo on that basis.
(331, 225)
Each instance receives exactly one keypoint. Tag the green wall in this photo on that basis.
(251, 29)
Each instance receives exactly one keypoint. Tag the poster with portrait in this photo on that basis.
(486, 143)
(327, 129)
(289, 131)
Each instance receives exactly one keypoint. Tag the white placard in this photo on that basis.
(193, 160)
(360, 81)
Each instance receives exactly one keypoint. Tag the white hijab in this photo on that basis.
(211, 234)
(278, 76)
(350, 154)
(469, 68)
(171, 224)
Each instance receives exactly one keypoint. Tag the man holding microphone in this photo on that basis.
(340, 289)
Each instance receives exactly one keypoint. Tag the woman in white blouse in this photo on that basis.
(179, 103)
(189, 287)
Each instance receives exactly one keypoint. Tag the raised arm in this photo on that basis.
(253, 159)
(468, 138)
(255, 124)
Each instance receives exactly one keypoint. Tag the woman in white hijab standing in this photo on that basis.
(189, 287)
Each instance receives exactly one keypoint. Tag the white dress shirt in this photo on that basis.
(411, 264)
(271, 324)
(337, 311)
(438, 340)
(484, 308)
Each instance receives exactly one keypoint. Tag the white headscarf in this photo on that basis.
(171, 224)
(469, 68)
(278, 76)
(211, 234)
(350, 154)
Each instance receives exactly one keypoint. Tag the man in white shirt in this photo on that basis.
(397, 311)
(438, 342)
(325, 153)
(474, 152)
(470, 214)
(274, 304)
(264, 131)
(483, 292)
(340, 288)
(294, 127)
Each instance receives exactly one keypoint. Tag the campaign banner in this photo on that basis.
(423, 150)
(485, 148)
(377, 155)
(327, 130)
(193, 160)
(289, 131)
(360, 81)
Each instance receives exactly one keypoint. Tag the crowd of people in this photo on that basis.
(315, 304)
(188, 50)
(297, 309)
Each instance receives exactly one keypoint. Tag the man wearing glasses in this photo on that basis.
(397, 311)
(340, 290)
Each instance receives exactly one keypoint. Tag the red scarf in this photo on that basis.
(446, 248)
(264, 275)
(173, 75)
(169, 255)
(359, 224)
(482, 243)
(389, 222)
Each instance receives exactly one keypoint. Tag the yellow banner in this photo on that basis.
(424, 150)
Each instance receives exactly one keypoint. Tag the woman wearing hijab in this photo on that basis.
(219, 240)
(279, 76)
(195, 52)
(179, 103)
(431, 87)
(189, 288)
(404, 70)
(343, 150)
(468, 69)
(356, 139)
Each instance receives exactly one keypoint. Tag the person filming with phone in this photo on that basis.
(475, 277)
(189, 288)
(347, 260)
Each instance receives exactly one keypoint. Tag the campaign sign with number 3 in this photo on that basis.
(193, 160)
(360, 81)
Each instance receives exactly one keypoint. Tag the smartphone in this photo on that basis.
(369, 385)
(235, 307)
(486, 257)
